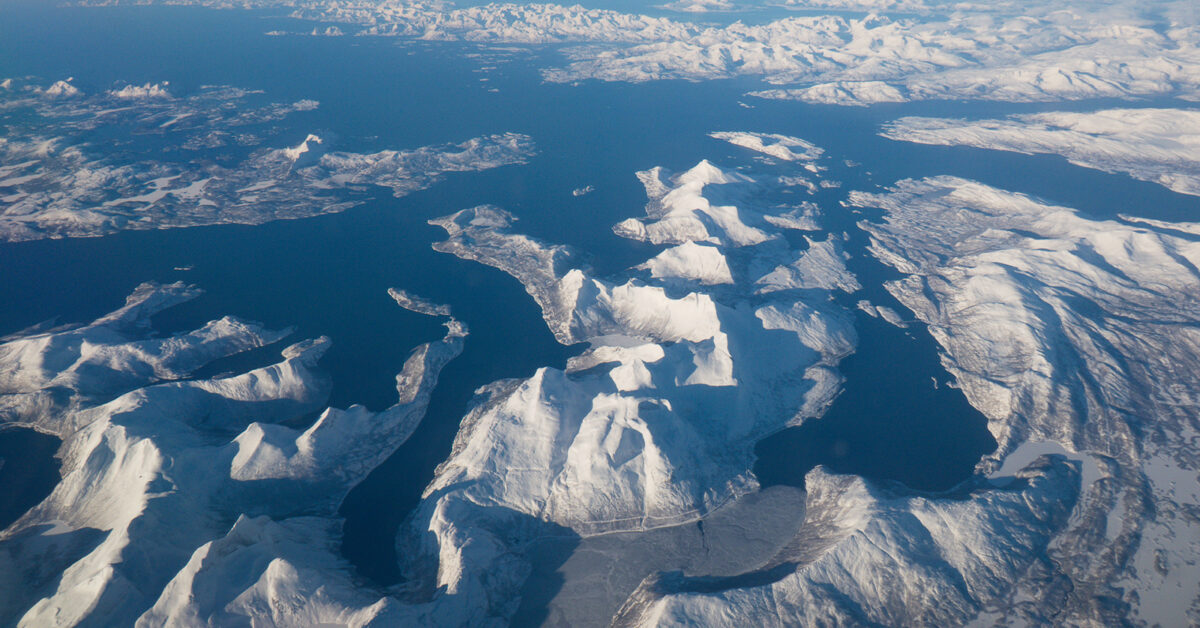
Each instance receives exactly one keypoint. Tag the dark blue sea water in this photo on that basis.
(329, 275)
(28, 471)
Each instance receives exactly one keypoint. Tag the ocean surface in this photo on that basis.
(28, 471)
(897, 419)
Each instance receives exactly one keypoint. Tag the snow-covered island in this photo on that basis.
(628, 474)
(1158, 145)
(189, 500)
(750, 271)
(56, 186)
(845, 52)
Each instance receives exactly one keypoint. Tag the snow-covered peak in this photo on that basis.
(698, 6)
(135, 92)
(681, 209)
(690, 262)
(152, 475)
(779, 146)
(1074, 333)
(310, 144)
(708, 173)
(62, 89)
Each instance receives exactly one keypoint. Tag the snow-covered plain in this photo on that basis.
(1158, 145)
(55, 186)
